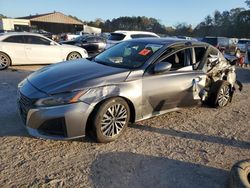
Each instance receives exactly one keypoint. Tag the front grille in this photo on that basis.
(54, 127)
(25, 104)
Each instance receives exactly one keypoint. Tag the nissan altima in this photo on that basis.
(129, 82)
(27, 48)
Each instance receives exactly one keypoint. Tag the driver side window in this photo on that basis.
(179, 59)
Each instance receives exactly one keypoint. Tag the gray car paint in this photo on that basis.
(149, 94)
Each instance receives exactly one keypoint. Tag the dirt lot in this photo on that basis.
(195, 147)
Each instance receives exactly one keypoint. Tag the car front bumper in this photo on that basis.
(58, 122)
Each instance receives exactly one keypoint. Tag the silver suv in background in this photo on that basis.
(242, 44)
(119, 36)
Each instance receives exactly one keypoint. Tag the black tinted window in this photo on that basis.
(116, 36)
(142, 36)
(14, 39)
(199, 53)
(36, 40)
(243, 41)
(212, 41)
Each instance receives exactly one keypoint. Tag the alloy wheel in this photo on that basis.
(74, 55)
(224, 96)
(4, 61)
(114, 120)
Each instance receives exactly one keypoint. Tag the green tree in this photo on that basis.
(2, 16)
(248, 3)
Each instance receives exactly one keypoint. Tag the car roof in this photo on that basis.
(169, 41)
(134, 32)
(21, 33)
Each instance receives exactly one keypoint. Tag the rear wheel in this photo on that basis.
(4, 61)
(220, 94)
(74, 55)
(111, 119)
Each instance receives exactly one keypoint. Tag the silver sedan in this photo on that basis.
(129, 82)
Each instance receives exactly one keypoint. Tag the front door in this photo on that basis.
(175, 88)
(40, 51)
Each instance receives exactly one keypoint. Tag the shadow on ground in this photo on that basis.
(243, 75)
(124, 169)
(194, 136)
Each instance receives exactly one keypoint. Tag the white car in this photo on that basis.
(242, 44)
(119, 36)
(28, 48)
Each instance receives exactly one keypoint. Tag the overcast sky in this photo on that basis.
(169, 12)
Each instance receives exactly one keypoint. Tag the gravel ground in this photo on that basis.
(194, 147)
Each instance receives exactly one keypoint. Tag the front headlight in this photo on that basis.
(60, 99)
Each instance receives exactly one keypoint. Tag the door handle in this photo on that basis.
(28, 48)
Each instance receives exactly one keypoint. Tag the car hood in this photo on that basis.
(74, 75)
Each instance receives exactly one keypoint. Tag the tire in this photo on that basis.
(220, 94)
(74, 55)
(111, 119)
(240, 175)
(5, 61)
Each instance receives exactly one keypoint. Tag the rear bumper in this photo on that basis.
(58, 122)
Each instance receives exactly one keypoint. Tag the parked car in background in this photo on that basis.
(132, 81)
(93, 44)
(70, 36)
(242, 44)
(223, 44)
(42, 32)
(119, 36)
(28, 48)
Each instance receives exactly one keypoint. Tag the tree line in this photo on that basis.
(233, 23)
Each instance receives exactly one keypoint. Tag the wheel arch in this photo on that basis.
(8, 57)
(97, 105)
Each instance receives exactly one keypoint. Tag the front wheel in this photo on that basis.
(111, 119)
(74, 55)
(220, 94)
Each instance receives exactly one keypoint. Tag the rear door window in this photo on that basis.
(116, 36)
(36, 40)
(135, 36)
(14, 39)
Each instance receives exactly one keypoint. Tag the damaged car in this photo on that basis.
(129, 82)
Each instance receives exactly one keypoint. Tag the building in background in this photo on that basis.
(55, 22)
(10, 24)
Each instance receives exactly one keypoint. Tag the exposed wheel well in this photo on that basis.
(8, 57)
(90, 118)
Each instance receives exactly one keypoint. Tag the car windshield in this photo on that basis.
(116, 36)
(243, 41)
(129, 54)
(80, 38)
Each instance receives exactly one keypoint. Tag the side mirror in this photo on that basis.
(162, 67)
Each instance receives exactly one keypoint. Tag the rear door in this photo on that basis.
(14, 46)
(40, 51)
(175, 88)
